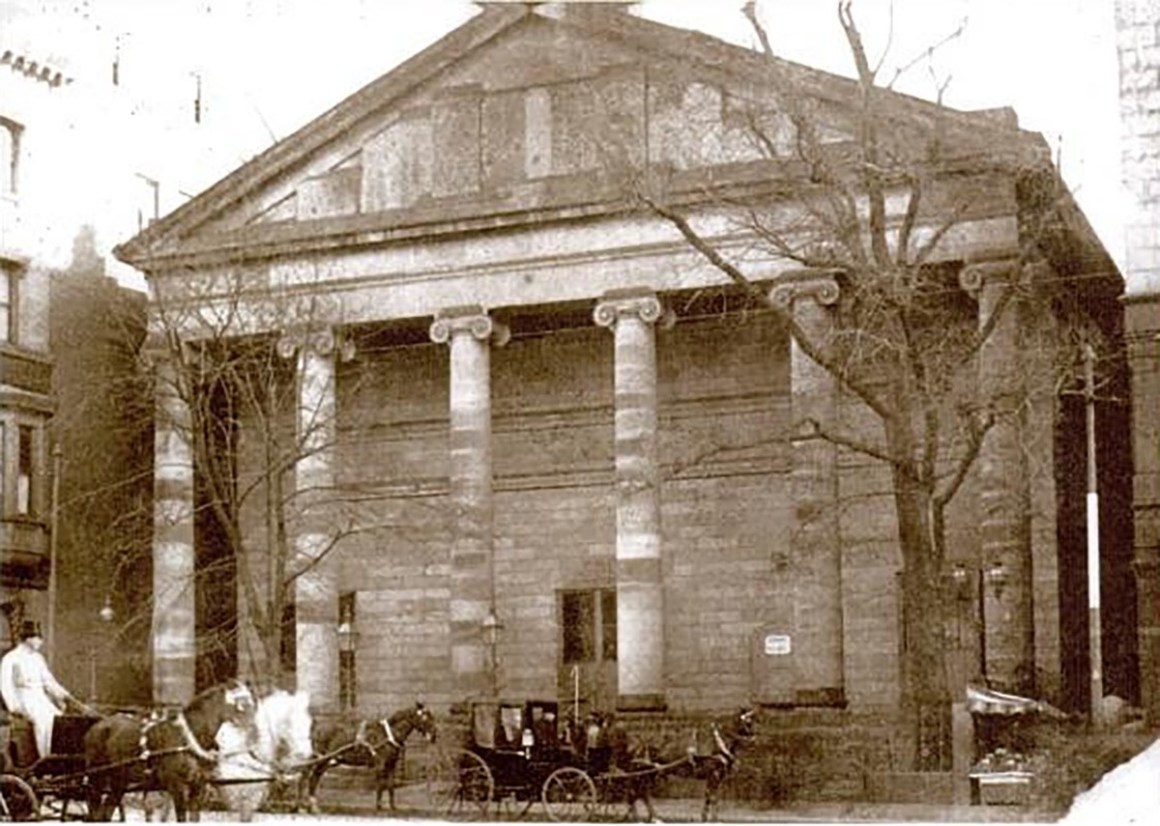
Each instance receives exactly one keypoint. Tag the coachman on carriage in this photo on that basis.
(94, 761)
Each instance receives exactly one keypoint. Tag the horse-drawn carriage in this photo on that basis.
(95, 759)
(521, 753)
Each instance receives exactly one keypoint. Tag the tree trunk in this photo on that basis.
(926, 696)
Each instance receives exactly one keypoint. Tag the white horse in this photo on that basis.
(276, 748)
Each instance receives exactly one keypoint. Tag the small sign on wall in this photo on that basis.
(778, 645)
(772, 667)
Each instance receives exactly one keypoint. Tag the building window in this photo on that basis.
(289, 650)
(347, 645)
(588, 621)
(9, 155)
(8, 284)
(25, 454)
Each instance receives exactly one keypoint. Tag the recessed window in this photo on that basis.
(24, 470)
(288, 655)
(588, 622)
(8, 284)
(347, 643)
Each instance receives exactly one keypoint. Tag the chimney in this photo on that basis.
(581, 10)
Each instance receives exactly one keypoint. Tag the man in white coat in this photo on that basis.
(28, 687)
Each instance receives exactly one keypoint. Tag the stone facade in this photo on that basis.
(1138, 26)
(624, 500)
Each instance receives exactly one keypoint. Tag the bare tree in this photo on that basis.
(867, 208)
(249, 431)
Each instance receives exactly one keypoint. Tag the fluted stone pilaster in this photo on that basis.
(174, 621)
(815, 543)
(470, 335)
(640, 642)
(1005, 497)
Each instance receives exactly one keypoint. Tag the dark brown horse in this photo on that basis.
(627, 774)
(376, 743)
(716, 763)
(173, 751)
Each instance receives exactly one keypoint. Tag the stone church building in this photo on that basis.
(548, 449)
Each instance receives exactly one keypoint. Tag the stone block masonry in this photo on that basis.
(1138, 40)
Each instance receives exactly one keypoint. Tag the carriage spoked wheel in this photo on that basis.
(459, 784)
(569, 795)
(17, 800)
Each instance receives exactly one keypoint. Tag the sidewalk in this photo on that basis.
(356, 803)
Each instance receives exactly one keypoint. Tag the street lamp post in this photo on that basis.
(107, 615)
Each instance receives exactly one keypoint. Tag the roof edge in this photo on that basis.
(273, 161)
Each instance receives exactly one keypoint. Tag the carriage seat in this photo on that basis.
(20, 748)
(68, 733)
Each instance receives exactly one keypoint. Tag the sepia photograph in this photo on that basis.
(732, 411)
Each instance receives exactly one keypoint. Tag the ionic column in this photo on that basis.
(470, 334)
(640, 617)
(815, 544)
(1005, 496)
(174, 620)
(315, 590)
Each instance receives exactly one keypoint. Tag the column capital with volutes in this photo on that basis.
(643, 305)
(977, 274)
(820, 285)
(318, 341)
(473, 321)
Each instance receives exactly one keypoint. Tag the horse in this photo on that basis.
(171, 751)
(716, 766)
(627, 775)
(252, 759)
(368, 742)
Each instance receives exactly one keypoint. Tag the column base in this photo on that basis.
(641, 702)
(831, 696)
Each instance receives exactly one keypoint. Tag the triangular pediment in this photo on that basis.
(513, 112)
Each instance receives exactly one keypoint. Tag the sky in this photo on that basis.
(263, 68)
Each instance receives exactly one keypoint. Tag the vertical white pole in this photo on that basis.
(1093, 536)
(53, 580)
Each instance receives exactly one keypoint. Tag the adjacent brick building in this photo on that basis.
(531, 411)
(32, 92)
(1138, 25)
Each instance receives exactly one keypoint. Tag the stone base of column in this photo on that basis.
(834, 697)
(962, 751)
(641, 702)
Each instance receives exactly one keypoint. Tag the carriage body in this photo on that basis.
(522, 744)
(56, 779)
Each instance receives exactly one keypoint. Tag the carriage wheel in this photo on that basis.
(569, 794)
(17, 800)
(459, 783)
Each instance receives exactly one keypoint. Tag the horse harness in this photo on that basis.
(191, 743)
(724, 753)
(360, 737)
